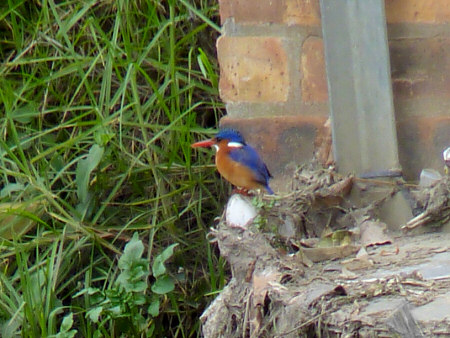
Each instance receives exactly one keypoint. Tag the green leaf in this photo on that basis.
(139, 298)
(130, 284)
(94, 314)
(115, 310)
(103, 136)
(206, 68)
(10, 188)
(67, 323)
(158, 267)
(132, 253)
(150, 330)
(84, 170)
(153, 308)
(90, 291)
(69, 334)
(16, 219)
(134, 268)
(163, 285)
(26, 113)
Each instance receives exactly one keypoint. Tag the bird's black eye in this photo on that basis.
(218, 139)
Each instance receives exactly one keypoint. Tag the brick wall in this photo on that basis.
(272, 78)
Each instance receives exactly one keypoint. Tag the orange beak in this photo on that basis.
(204, 144)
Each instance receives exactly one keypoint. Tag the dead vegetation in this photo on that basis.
(317, 263)
(434, 204)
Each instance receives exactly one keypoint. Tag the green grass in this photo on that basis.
(99, 102)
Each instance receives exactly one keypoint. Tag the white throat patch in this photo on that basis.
(235, 145)
(216, 147)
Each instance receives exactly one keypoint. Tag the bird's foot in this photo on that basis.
(242, 191)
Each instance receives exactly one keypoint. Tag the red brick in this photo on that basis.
(420, 67)
(417, 11)
(298, 12)
(421, 141)
(314, 82)
(252, 69)
(441, 134)
(251, 11)
(302, 12)
(410, 148)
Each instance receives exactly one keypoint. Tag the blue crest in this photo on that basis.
(230, 135)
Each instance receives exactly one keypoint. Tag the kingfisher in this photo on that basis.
(238, 162)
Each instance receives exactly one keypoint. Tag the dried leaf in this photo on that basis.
(330, 253)
(347, 274)
(327, 199)
(261, 283)
(250, 270)
(309, 242)
(324, 153)
(343, 187)
(362, 253)
(357, 263)
(374, 233)
(336, 238)
(302, 258)
(390, 253)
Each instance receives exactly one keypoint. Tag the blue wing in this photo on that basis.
(250, 158)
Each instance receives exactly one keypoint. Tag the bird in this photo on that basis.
(238, 162)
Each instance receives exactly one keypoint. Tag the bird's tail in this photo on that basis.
(269, 190)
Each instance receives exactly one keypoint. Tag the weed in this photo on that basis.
(99, 103)
(124, 307)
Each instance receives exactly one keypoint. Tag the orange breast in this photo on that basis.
(234, 172)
